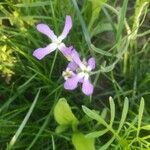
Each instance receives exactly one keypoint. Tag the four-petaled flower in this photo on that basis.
(79, 72)
(56, 40)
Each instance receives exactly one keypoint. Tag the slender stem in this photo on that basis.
(54, 60)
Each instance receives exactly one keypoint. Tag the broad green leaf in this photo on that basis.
(81, 142)
(63, 113)
(61, 128)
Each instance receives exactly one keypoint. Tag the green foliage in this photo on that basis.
(96, 8)
(63, 114)
(121, 132)
(65, 118)
(125, 129)
(116, 33)
(7, 63)
(140, 7)
(15, 137)
(80, 142)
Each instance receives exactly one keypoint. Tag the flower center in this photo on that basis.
(84, 68)
(67, 73)
(58, 41)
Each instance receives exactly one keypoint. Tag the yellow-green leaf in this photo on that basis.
(63, 113)
(81, 142)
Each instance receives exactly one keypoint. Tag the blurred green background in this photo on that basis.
(117, 34)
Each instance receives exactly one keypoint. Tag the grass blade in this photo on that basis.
(85, 31)
(121, 19)
(21, 127)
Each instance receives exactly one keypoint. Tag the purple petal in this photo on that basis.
(73, 66)
(42, 52)
(43, 28)
(91, 63)
(76, 57)
(71, 54)
(87, 87)
(67, 27)
(81, 80)
(67, 51)
(72, 83)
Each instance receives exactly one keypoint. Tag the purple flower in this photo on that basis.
(56, 40)
(79, 72)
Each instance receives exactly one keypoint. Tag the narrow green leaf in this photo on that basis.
(53, 143)
(23, 86)
(121, 19)
(107, 68)
(41, 130)
(105, 146)
(100, 51)
(147, 127)
(96, 134)
(101, 27)
(93, 115)
(33, 4)
(20, 90)
(112, 110)
(141, 109)
(15, 137)
(124, 114)
(85, 31)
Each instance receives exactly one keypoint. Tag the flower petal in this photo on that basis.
(71, 83)
(76, 57)
(42, 52)
(71, 54)
(67, 27)
(91, 63)
(87, 87)
(67, 51)
(43, 28)
(72, 65)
